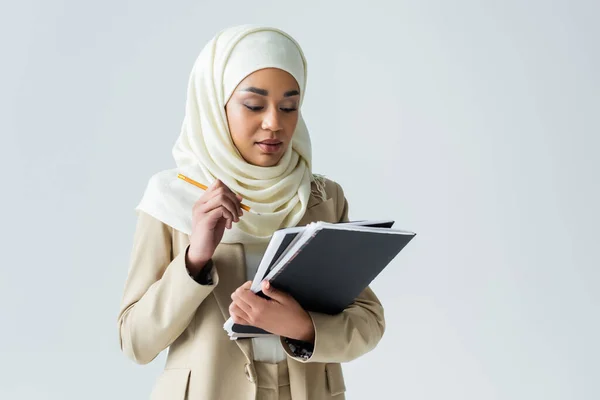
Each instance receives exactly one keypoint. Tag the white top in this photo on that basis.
(266, 349)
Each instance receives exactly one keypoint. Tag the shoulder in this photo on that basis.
(331, 188)
(160, 181)
(325, 189)
(154, 197)
(154, 203)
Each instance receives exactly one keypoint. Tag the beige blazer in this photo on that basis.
(163, 307)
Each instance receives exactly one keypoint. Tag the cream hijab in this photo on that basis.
(205, 151)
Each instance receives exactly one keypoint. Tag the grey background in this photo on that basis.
(473, 123)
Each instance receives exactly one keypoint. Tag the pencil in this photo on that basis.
(204, 187)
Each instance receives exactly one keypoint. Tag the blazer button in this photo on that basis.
(250, 374)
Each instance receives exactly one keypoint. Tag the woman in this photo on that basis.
(195, 252)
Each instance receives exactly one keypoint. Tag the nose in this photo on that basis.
(272, 120)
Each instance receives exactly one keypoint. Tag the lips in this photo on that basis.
(270, 145)
(270, 141)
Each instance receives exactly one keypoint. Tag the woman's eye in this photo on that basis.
(253, 108)
(288, 109)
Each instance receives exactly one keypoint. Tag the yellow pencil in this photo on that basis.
(204, 187)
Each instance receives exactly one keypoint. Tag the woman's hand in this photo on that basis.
(281, 315)
(217, 209)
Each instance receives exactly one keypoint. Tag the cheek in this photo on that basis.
(241, 127)
(291, 123)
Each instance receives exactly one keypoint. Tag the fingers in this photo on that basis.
(241, 312)
(236, 198)
(277, 295)
(246, 285)
(222, 200)
(242, 304)
(218, 213)
(219, 195)
(238, 315)
(218, 188)
(246, 298)
(246, 305)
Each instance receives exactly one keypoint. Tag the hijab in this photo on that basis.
(204, 150)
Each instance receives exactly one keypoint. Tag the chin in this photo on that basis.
(263, 159)
(266, 161)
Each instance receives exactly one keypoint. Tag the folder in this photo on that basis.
(324, 266)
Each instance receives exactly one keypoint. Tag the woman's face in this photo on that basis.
(262, 114)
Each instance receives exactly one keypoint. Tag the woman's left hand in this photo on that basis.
(281, 315)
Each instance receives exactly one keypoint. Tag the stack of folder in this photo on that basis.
(324, 266)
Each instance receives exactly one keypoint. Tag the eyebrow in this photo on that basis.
(264, 92)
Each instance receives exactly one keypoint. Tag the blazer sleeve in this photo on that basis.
(351, 333)
(160, 297)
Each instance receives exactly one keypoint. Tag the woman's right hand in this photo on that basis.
(218, 208)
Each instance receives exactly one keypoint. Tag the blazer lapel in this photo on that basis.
(231, 267)
(321, 211)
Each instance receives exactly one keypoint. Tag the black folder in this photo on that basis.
(326, 266)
